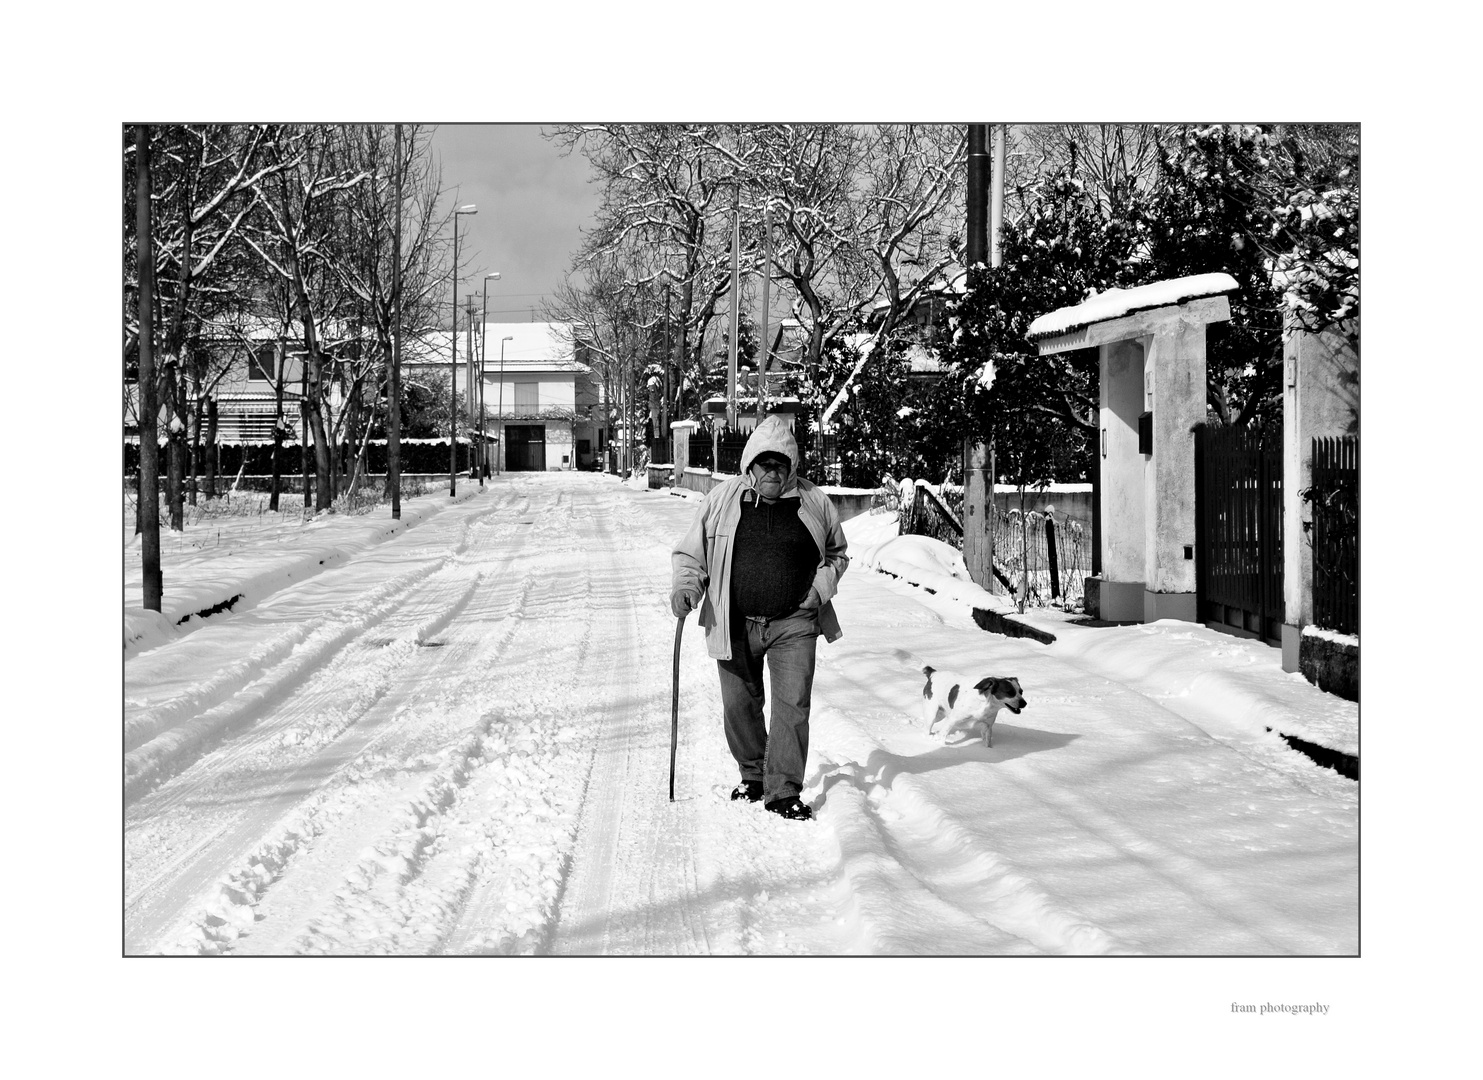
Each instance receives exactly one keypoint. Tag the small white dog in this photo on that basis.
(967, 704)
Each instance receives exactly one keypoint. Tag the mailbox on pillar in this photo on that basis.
(1151, 352)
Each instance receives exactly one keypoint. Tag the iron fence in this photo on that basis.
(1334, 497)
(728, 453)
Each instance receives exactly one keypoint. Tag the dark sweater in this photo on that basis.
(773, 564)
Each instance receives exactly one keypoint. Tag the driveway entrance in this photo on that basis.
(1238, 498)
(525, 447)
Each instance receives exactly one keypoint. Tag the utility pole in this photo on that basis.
(453, 364)
(453, 376)
(731, 424)
(978, 455)
(766, 295)
(996, 197)
(664, 412)
(468, 380)
(978, 175)
(149, 406)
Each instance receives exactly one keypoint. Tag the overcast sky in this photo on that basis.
(534, 204)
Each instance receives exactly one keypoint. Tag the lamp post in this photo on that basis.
(453, 364)
(498, 467)
(483, 334)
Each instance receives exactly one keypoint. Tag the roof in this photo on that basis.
(533, 346)
(544, 345)
(1115, 303)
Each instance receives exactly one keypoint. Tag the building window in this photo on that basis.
(527, 398)
(262, 363)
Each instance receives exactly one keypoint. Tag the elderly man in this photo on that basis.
(762, 561)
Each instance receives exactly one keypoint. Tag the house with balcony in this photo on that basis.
(250, 373)
(248, 395)
(540, 402)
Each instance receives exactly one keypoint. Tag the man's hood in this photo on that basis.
(772, 436)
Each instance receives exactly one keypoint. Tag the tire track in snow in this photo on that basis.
(485, 924)
(221, 786)
(702, 875)
(404, 891)
(270, 662)
(387, 882)
(333, 726)
(169, 736)
(457, 868)
(329, 642)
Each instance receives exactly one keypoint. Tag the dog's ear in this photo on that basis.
(987, 686)
(1005, 688)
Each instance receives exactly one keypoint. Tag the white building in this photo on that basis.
(541, 402)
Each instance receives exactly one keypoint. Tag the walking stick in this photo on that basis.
(674, 716)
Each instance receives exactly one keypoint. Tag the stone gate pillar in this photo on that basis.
(1151, 396)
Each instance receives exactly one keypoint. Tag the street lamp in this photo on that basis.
(483, 334)
(453, 365)
(500, 456)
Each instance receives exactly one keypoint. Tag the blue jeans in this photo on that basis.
(788, 643)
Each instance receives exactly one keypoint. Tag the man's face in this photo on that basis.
(770, 472)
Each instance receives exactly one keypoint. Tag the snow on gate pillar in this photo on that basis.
(1151, 351)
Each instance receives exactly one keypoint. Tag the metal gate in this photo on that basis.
(1238, 497)
(1335, 501)
(525, 447)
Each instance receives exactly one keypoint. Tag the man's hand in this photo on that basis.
(811, 601)
(683, 601)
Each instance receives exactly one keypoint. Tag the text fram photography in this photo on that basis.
(742, 540)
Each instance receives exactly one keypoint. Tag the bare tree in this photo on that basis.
(149, 414)
(204, 184)
(296, 232)
(860, 216)
(667, 197)
(1114, 160)
(365, 265)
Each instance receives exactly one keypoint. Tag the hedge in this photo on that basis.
(418, 456)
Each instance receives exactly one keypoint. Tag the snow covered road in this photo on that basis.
(455, 740)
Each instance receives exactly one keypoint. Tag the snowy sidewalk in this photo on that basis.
(1243, 691)
(236, 561)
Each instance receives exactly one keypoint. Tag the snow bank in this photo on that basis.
(919, 560)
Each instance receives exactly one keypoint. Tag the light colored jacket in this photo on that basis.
(702, 558)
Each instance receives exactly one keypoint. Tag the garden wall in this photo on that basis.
(850, 502)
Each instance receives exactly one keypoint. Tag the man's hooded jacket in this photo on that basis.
(701, 560)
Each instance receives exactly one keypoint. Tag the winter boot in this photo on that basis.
(792, 808)
(750, 790)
